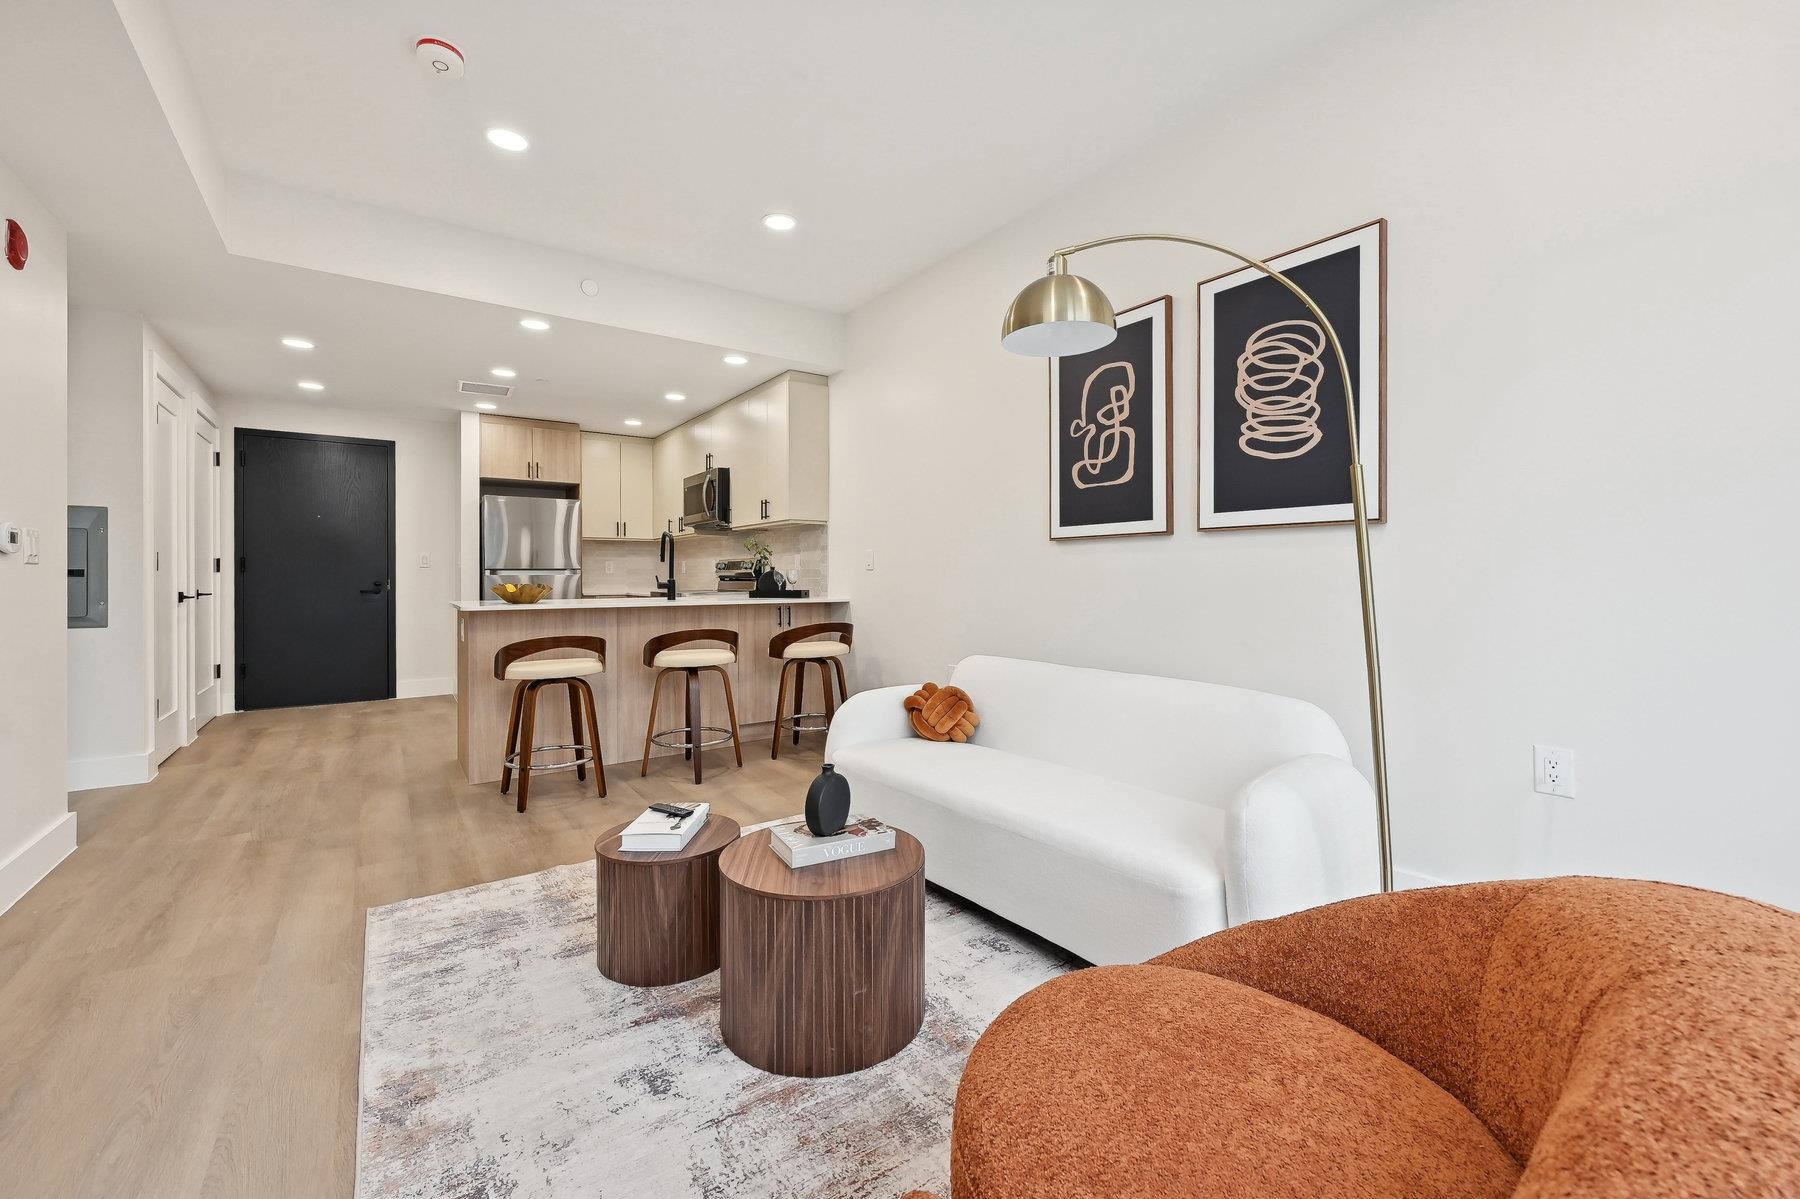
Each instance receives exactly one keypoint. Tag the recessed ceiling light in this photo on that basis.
(633, 422)
(535, 324)
(310, 385)
(674, 396)
(486, 407)
(734, 360)
(780, 222)
(296, 343)
(506, 139)
(504, 372)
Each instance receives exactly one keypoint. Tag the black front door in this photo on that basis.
(315, 569)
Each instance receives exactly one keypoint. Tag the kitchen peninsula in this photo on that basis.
(623, 693)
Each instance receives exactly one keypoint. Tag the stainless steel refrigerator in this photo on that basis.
(525, 539)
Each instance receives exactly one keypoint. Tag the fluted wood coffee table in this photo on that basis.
(656, 915)
(822, 969)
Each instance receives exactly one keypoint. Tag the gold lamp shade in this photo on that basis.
(1058, 315)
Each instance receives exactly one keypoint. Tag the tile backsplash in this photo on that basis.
(799, 554)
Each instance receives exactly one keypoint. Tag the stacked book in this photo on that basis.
(664, 828)
(795, 844)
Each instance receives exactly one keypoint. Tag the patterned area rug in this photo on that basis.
(497, 1062)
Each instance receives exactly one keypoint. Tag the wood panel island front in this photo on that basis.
(623, 693)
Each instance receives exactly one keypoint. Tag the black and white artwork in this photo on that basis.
(1274, 428)
(1110, 411)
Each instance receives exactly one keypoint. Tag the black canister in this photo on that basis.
(827, 803)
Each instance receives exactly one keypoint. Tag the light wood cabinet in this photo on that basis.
(616, 500)
(530, 451)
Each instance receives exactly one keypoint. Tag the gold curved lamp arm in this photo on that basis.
(1358, 506)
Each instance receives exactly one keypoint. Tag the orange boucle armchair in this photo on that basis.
(1565, 1037)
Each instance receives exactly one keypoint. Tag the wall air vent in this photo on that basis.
(470, 388)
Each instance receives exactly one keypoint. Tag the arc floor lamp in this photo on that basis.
(1063, 314)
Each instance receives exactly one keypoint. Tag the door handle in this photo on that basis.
(375, 590)
(181, 597)
(200, 594)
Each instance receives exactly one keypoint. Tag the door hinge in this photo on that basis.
(215, 458)
(218, 671)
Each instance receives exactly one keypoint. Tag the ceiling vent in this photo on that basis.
(471, 388)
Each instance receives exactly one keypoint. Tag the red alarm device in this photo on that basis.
(17, 248)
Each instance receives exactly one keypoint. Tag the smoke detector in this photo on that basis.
(438, 58)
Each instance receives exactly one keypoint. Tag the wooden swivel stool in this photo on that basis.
(824, 645)
(666, 655)
(513, 663)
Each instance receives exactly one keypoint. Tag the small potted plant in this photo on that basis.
(760, 553)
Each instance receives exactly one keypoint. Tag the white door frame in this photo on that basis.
(205, 561)
(165, 446)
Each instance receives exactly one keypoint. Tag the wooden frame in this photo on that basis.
(1159, 309)
(1372, 364)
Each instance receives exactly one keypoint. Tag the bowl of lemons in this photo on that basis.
(521, 593)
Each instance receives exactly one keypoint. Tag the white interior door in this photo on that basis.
(204, 561)
(168, 576)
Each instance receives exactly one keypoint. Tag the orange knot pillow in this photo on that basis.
(941, 713)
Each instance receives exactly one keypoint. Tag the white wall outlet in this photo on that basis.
(424, 561)
(609, 566)
(1553, 770)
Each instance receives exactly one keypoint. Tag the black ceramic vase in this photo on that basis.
(827, 803)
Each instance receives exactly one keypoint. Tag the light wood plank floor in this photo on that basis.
(180, 1001)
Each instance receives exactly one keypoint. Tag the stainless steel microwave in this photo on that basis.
(706, 499)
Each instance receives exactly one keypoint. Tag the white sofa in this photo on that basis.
(1118, 815)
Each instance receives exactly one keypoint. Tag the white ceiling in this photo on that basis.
(246, 171)
(662, 132)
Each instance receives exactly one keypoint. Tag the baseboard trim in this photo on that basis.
(1412, 880)
(415, 688)
(36, 859)
(121, 770)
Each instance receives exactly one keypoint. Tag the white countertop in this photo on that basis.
(695, 599)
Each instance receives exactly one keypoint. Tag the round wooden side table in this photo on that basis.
(822, 969)
(656, 915)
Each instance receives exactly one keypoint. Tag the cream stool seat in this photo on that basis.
(692, 659)
(815, 649)
(556, 668)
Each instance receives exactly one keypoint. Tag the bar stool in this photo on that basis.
(665, 655)
(824, 645)
(513, 663)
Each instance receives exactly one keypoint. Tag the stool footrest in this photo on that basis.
(584, 756)
(662, 737)
(792, 723)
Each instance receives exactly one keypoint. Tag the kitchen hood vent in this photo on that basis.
(469, 388)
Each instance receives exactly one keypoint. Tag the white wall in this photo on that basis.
(426, 501)
(37, 830)
(1593, 433)
(109, 669)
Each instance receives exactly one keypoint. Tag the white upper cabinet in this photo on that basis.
(616, 493)
(776, 441)
(790, 471)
